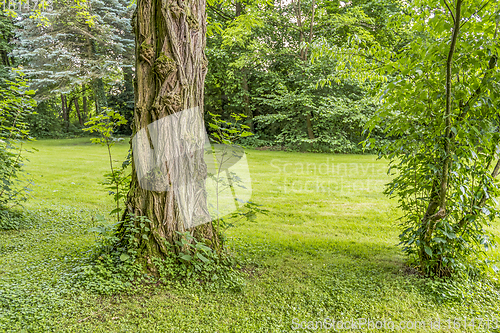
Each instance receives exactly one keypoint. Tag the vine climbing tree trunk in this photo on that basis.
(438, 198)
(170, 73)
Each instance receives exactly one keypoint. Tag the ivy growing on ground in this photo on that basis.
(114, 263)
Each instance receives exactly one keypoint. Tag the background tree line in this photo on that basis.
(76, 66)
(259, 55)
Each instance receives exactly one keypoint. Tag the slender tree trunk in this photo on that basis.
(128, 78)
(64, 108)
(5, 59)
(311, 30)
(128, 112)
(246, 100)
(438, 197)
(99, 95)
(84, 108)
(298, 12)
(310, 132)
(244, 79)
(448, 112)
(239, 8)
(170, 73)
(96, 84)
(77, 108)
(69, 106)
(303, 54)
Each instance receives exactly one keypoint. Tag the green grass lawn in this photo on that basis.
(327, 249)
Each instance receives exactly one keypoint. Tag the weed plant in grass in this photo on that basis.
(327, 249)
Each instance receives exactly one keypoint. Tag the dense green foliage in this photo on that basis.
(76, 66)
(6, 35)
(441, 106)
(260, 59)
(16, 104)
(265, 71)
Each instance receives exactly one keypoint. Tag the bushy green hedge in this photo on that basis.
(16, 104)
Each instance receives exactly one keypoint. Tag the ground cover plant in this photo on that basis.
(327, 249)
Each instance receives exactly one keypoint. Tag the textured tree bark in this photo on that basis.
(170, 74)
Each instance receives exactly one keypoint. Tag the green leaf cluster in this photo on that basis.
(16, 104)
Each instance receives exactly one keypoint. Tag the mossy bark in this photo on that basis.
(170, 74)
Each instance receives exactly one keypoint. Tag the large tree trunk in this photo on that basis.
(170, 73)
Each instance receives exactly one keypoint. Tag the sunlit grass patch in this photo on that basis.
(317, 254)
